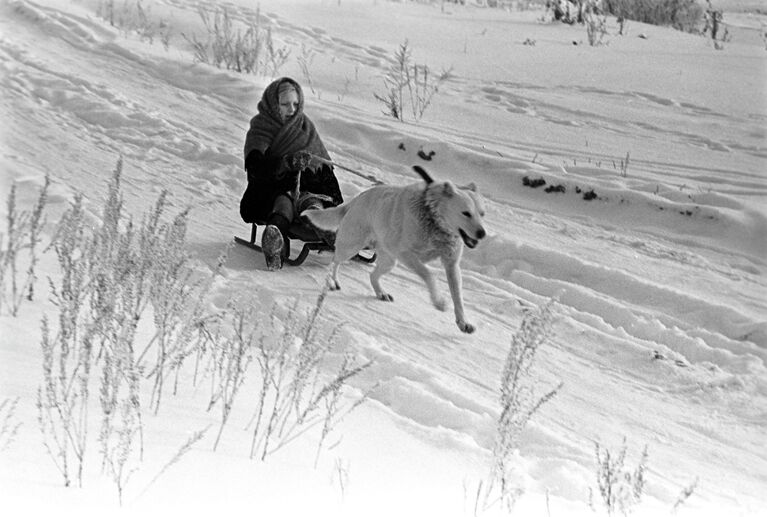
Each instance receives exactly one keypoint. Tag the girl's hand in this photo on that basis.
(298, 161)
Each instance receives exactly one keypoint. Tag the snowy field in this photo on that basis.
(660, 330)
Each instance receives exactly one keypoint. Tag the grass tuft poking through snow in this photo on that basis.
(110, 275)
(21, 239)
(404, 76)
(295, 395)
(519, 402)
(620, 487)
(253, 51)
(9, 426)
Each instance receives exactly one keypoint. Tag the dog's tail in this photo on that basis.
(327, 218)
(425, 175)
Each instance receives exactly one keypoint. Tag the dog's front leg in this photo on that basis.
(412, 261)
(454, 282)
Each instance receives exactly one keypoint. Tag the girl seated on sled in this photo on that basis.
(288, 167)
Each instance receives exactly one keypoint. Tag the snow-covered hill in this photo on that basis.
(660, 335)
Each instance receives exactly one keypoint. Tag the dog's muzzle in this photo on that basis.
(470, 242)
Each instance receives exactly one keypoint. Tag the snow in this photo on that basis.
(661, 328)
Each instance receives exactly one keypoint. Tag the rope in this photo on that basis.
(368, 177)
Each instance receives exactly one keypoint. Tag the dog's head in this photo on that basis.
(461, 210)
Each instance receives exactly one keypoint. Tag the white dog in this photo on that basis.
(414, 224)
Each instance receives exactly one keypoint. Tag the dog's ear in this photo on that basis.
(471, 186)
(425, 175)
(448, 189)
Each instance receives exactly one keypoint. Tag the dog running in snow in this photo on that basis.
(413, 224)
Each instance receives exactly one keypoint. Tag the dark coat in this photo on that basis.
(268, 142)
(267, 179)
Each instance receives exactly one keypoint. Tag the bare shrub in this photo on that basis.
(684, 15)
(340, 474)
(251, 51)
(519, 402)
(625, 165)
(620, 487)
(622, 26)
(305, 61)
(62, 400)
(9, 426)
(404, 76)
(180, 453)
(232, 354)
(110, 276)
(118, 447)
(596, 28)
(684, 495)
(714, 19)
(100, 297)
(296, 394)
(276, 57)
(392, 103)
(20, 242)
(135, 17)
(178, 296)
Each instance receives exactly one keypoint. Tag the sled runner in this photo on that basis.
(299, 232)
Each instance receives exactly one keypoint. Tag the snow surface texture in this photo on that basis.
(661, 334)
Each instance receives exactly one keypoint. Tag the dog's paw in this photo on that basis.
(466, 327)
(333, 285)
(385, 297)
(440, 304)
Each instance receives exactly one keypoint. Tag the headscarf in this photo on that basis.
(275, 138)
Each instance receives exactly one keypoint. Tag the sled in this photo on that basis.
(299, 232)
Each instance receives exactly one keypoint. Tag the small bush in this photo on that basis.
(299, 389)
(519, 401)
(305, 61)
(684, 495)
(685, 15)
(715, 26)
(251, 51)
(417, 81)
(115, 272)
(20, 242)
(135, 18)
(620, 488)
(9, 426)
(596, 28)
(110, 275)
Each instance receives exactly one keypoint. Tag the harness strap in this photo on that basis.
(368, 177)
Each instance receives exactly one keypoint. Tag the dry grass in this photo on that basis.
(110, 274)
(408, 83)
(19, 244)
(9, 425)
(519, 401)
(301, 387)
(685, 15)
(252, 50)
(619, 486)
(133, 17)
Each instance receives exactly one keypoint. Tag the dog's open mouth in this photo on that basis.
(468, 241)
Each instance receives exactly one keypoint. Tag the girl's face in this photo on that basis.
(288, 104)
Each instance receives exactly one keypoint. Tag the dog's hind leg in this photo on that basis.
(340, 256)
(332, 278)
(454, 282)
(424, 272)
(348, 243)
(385, 262)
